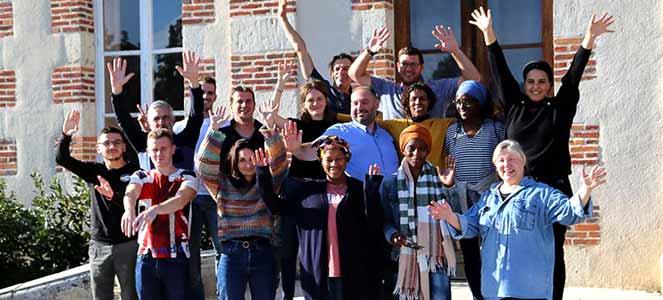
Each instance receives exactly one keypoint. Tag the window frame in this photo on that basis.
(146, 55)
(471, 42)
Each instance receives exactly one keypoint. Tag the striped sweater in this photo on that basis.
(242, 211)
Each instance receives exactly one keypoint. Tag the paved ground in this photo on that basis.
(460, 291)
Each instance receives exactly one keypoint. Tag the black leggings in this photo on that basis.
(563, 184)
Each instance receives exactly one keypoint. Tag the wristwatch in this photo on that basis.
(371, 53)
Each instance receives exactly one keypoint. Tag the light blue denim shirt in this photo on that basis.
(517, 251)
(366, 148)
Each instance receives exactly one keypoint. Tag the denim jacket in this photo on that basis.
(517, 251)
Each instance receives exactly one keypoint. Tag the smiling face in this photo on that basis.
(419, 103)
(537, 85)
(209, 95)
(161, 151)
(315, 103)
(363, 106)
(468, 107)
(333, 163)
(414, 153)
(245, 165)
(111, 146)
(410, 68)
(339, 72)
(242, 105)
(510, 166)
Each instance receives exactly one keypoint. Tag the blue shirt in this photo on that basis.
(518, 251)
(366, 148)
(390, 96)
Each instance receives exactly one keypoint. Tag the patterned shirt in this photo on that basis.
(167, 234)
(474, 155)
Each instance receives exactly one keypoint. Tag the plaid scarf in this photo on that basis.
(414, 266)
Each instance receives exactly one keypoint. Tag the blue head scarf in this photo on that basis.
(474, 89)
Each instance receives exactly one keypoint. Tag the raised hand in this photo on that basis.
(218, 118)
(600, 26)
(104, 188)
(440, 210)
(71, 120)
(142, 119)
(117, 73)
(378, 39)
(126, 223)
(267, 110)
(594, 178)
(482, 19)
(291, 136)
(191, 69)
(374, 169)
(286, 69)
(447, 176)
(446, 38)
(143, 219)
(259, 159)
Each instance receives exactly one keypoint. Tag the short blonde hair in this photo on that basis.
(509, 146)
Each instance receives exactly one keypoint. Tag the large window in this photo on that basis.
(148, 34)
(523, 28)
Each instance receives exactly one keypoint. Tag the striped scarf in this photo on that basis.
(414, 266)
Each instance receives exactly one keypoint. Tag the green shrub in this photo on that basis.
(48, 237)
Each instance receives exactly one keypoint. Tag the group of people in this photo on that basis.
(365, 207)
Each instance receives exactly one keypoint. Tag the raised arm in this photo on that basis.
(571, 80)
(190, 70)
(270, 109)
(296, 40)
(275, 144)
(448, 43)
(118, 78)
(357, 70)
(208, 158)
(184, 195)
(84, 170)
(572, 211)
(508, 86)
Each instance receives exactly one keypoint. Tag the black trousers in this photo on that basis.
(563, 184)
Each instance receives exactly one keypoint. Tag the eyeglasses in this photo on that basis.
(412, 245)
(115, 143)
(409, 64)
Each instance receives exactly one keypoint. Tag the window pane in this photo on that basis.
(424, 15)
(440, 65)
(167, 24)
(516, 21)
(132, 87)
(518, 58)
(121, 25)
(168, 83)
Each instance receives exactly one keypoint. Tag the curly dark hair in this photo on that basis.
(405, 98)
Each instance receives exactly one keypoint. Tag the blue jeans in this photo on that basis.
(203, 212)
(164, 278)
(440, 286)
(245, 262)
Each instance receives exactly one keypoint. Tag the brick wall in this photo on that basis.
(82, 148)
(565, 49)
(257, 7)
(587, 233)
(73, 84)
(259, 71)
(6, 19)
(7, 157)
(7, 88)
(197, 12)
(372, 4)
(72, 16)
(382, 65)
(584, 144)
